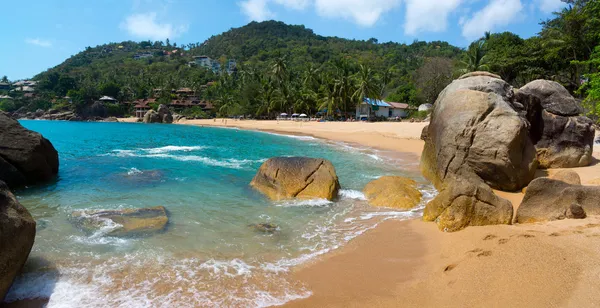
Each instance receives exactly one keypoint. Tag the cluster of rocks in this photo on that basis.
(162, 115)
(26, 158)
(486, 135)
(283, 178)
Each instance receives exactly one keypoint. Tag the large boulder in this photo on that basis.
(475, 132)
(548, 199)
(123, 223)
(283, 178)
(152, 117)
(394, 192)
(165, 114)
(26, 157)
(562, 138)
(463, 202)
(567, 176)
(17, 233)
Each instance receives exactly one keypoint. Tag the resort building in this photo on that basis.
(4, 86)
(142, 106)
(143, 55)
(374, 108)
(214, 65)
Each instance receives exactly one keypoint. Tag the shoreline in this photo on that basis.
(413, 263)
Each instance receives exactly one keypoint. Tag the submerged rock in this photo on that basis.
(17, 233)
(283, 178)
(394, 192)
(26, 157)
(121, 223)
(548, 199)
(265, 227)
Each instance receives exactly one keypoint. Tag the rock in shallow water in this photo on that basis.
(17, 233)
(393, 192)
(122, 223)
(265, 227)
(282, 178)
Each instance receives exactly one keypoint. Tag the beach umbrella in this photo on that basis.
(303, 115)
(295, 115)
(283, 114)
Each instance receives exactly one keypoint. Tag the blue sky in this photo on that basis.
(39, 34)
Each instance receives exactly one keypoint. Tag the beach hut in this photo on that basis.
(372, 108)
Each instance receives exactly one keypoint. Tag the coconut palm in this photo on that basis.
(475, 58)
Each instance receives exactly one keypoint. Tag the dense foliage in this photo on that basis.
(284, 68)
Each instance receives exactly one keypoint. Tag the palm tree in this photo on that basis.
(475, 58)
(330, 99)
(366, 85)
(279, 68)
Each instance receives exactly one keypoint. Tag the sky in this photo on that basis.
(39, 34)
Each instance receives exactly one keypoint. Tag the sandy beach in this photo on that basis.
(413, 264)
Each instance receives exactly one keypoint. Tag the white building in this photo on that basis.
(374, 108)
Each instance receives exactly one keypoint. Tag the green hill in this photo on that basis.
(111, 69)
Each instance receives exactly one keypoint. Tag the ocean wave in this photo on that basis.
(226, 163)
(310, 202)
(135, 281)
(299, 137)
(351, 194)
(174, 148)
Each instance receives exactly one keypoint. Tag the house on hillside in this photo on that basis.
(5, 97)
(142, 106)
(143, 55)
(4, 86)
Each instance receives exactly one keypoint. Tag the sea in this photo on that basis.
(208, 255)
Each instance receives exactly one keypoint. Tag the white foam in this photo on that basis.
(231, 268)
(375, 157)
(173, 148)
(294, 136)
(226, 163)
(134, 171)
(311, 202)
(351, 194)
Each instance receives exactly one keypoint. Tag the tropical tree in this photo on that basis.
(475, 58)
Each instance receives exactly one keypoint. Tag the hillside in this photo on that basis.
(102, 69)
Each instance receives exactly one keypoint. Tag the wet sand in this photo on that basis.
(413, 264)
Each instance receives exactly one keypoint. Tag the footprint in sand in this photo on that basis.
(486, 253)
(502, 241)
(489, 237)
(449, 267)
(526, 235)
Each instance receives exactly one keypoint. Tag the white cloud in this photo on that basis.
(294, 4)
(363, 12)
(549, 6)
(38, 42)
(145, 26)
(256, 10)
(428, 15)
(497, 13)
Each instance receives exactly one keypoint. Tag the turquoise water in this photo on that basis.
(207, 256)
